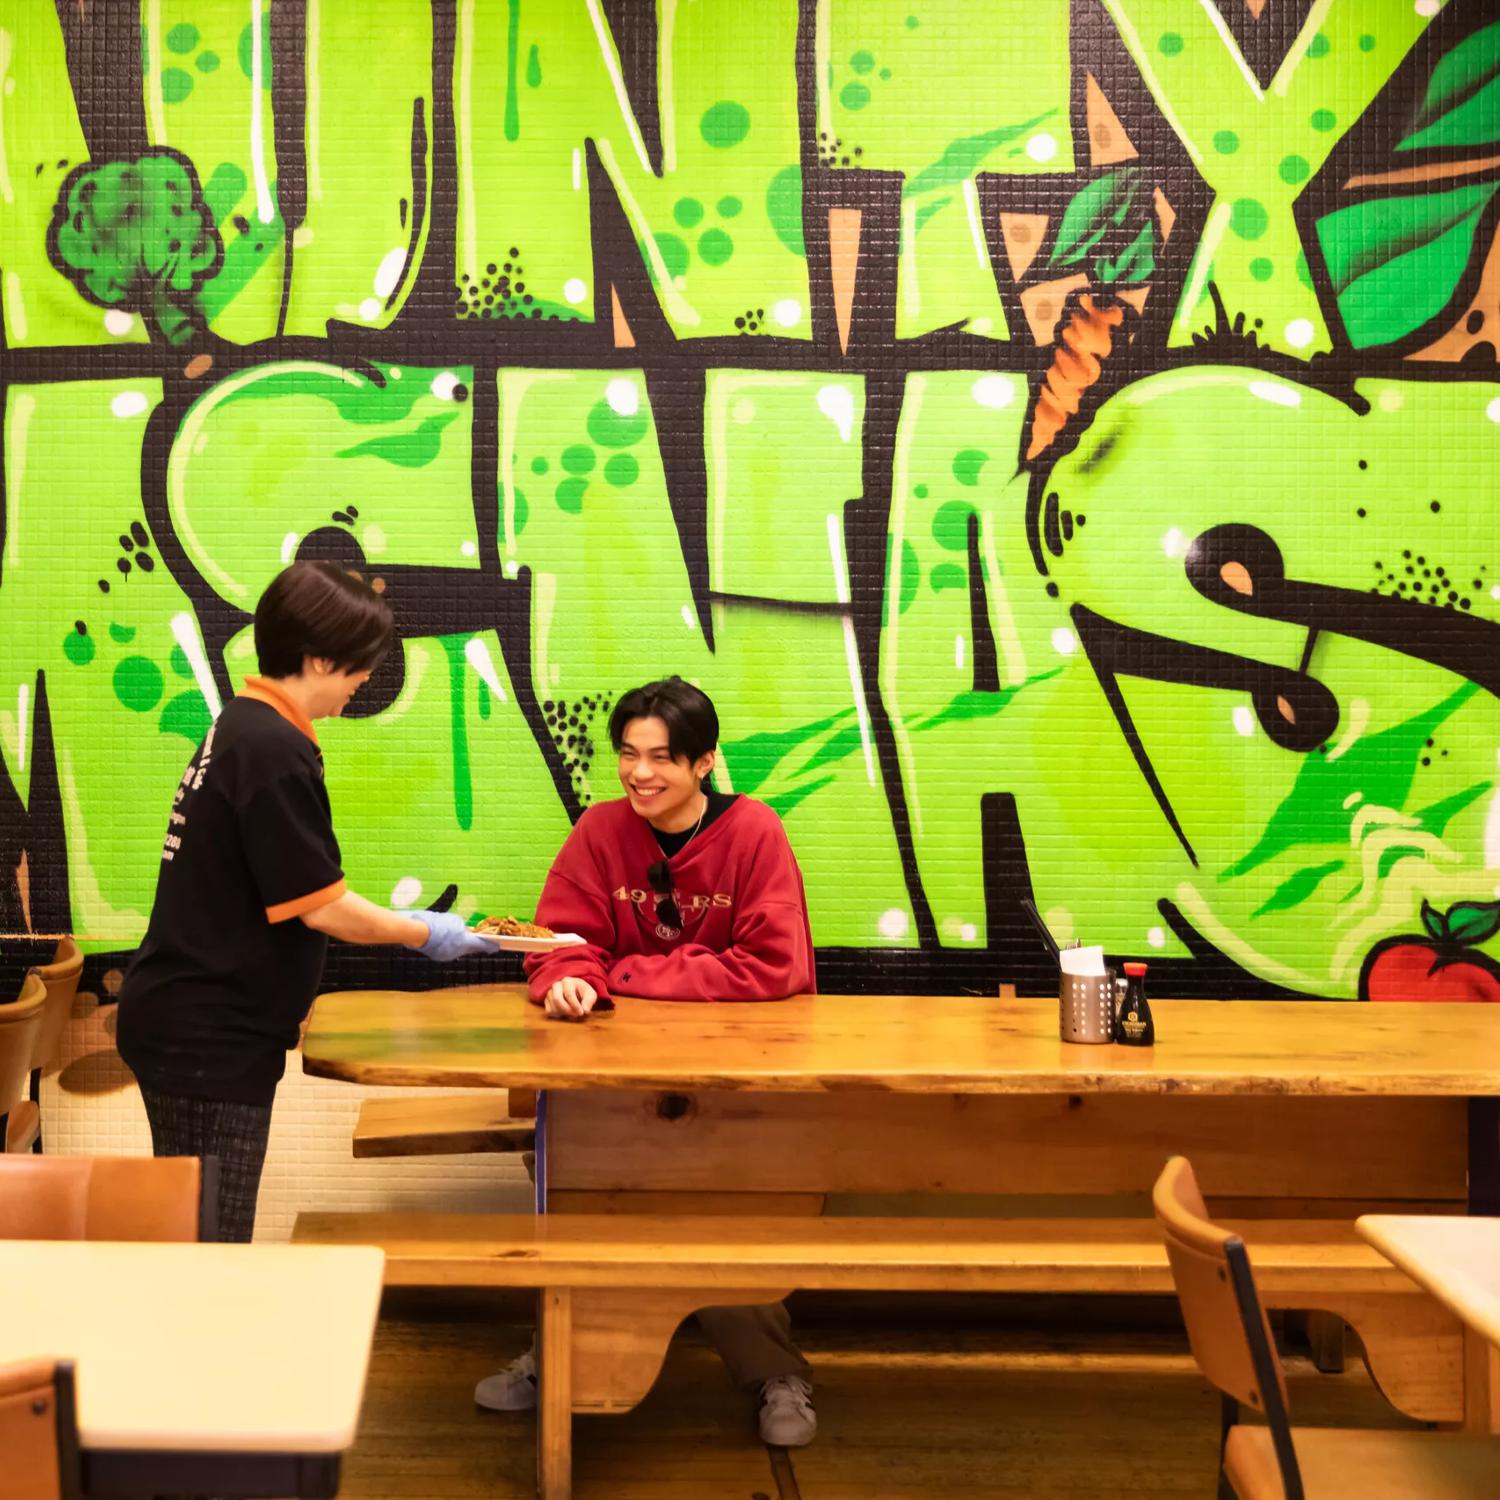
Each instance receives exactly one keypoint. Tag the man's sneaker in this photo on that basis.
(513, 1389)
(787, 1418)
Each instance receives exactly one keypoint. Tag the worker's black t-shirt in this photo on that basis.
(226, 972)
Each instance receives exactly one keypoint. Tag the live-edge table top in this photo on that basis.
(490, 1036)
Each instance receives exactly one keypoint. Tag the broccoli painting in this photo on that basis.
(137, 235)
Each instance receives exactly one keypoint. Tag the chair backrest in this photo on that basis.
(1226, 1324)
(19, 1024)
(39, 1430)
(106, 1197)
(60, 979)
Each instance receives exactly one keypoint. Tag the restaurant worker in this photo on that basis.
(681, 893)
(251, 888)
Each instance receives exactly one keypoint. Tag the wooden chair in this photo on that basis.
(1231, 1341)
(108, 1197)
(20, 1022)
(60, 980)
(39, 1431)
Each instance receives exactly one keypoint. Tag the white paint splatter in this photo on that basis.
(120, 323)
(289, 547)
(443, 385)
(893, 924)
(1174, 543)
(468, 549)
(406, 892)
(1276, 393)
(958, 653)
(185, 632)
(369, 309)
(836, 402)
(969, 932)
(574, 290)
(373, 540)
(129, 404)
(623, 396)
(1156, 938)
(394, 372)
(1243, 721)
(23, 709)
(1042, 147)
(994, 391)
(477, 654)
(1492, 411)
(1353, 800)
(688, 617)
(1392, 398)
(1299, 333)
(1064, 642)
(265, 209)
(1428, 7)
(388, 273)
(787, 313)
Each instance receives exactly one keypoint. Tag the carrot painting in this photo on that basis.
(1107, 227)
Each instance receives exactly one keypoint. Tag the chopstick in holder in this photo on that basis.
(1029, 907)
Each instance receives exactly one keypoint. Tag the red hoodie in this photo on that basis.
(737, 885)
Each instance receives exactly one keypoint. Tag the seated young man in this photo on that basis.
(682, 893)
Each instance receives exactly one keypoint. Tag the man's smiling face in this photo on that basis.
(662, 788)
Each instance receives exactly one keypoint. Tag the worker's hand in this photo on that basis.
(570, 999)
(448, 937)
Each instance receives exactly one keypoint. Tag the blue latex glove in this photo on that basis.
(447, 937)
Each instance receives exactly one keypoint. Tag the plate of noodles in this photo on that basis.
(516, 936)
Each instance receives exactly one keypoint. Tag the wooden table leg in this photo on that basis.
(555, 1396)
(1484, 1155)
(1481, 1384)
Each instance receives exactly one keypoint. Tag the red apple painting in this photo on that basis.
(1444, 964)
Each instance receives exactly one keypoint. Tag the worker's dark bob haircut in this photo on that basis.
(316, 609)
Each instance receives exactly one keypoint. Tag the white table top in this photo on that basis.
(1456, 1259)
(199, 1348)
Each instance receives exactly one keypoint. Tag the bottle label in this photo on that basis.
(1132, 1025)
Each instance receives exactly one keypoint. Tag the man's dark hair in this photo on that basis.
(688, 713)
(317, 609)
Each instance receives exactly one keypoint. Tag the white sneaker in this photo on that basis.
(513, 1389)
(787, 1418)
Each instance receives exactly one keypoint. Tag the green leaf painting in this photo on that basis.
(1462, 104)
(1395, 263)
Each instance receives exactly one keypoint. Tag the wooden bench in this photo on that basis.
(441, 1125)
(615, 1287)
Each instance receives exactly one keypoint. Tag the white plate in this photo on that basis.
(532, 944)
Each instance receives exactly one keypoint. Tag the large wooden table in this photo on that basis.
(200, 1369)
(1288, 1110)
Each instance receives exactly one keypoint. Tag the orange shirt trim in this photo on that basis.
(286, 910)
(265, 690)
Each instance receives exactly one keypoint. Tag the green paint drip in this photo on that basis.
(512, 49)
(463, 784)
(534, 67)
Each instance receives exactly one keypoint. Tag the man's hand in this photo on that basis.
(570, 999)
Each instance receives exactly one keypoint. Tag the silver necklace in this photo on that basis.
(696, 826)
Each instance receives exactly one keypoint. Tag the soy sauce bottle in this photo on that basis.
(1134, 1026)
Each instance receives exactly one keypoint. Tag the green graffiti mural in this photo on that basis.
(1061, 437)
